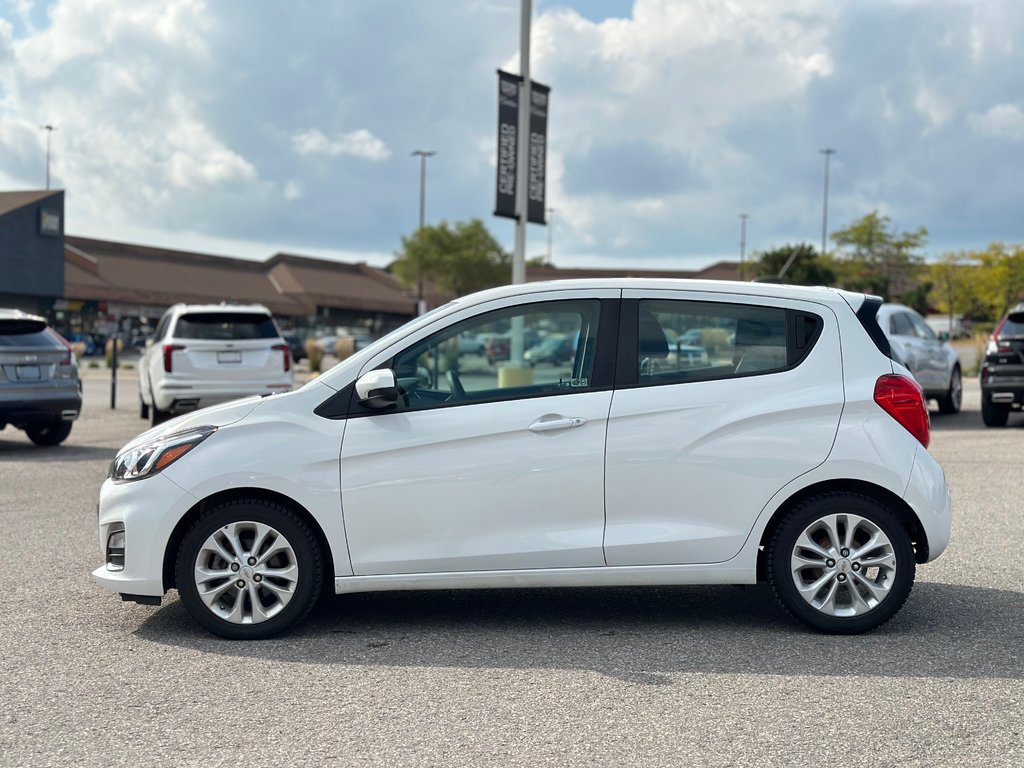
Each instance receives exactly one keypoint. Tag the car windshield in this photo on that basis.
(225, 326)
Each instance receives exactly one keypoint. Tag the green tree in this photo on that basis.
(458, 259)
(876, 259)
(1001, 276)
(807, 267)
(955, 286)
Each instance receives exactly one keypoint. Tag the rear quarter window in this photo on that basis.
(225, 326)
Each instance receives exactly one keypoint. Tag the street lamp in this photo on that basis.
(49, 132)
(743, 243)
(551, 227)
(827, 152)
(422, 154)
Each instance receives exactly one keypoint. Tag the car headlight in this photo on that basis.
(150, 458)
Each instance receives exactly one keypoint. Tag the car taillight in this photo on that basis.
(901, 397)
(169, 350)
(287, 355)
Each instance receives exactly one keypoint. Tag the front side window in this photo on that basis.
(525, 351)
(684, 341)
(225, 326)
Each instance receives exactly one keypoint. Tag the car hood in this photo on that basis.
(215, 416)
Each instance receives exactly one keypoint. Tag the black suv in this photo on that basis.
(1002, 372)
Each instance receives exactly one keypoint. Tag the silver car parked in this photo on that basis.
(934, 363)
(40, 391)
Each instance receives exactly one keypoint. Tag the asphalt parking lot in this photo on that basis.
(617, 677)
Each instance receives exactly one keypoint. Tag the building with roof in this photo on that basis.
(84, 285)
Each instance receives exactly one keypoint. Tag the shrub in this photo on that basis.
(109, 350)
(315, 355)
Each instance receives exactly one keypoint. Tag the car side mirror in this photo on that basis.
(943, 335)
(377, 389)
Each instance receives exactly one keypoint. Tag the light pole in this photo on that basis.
(743, 243)
(551, 227)
(49, 132)
(827, 152)
(422, 154)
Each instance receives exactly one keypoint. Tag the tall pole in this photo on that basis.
(422, 154)
(743, 243)
(827, 152)
(522, 144)
(551, 226)
(49, 132)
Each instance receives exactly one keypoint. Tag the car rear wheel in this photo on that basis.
(49, 434)
(994, 414)
(143, 408)
(841, 563)
(954, 396)
(249, 569)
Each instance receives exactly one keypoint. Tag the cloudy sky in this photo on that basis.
(244, 128)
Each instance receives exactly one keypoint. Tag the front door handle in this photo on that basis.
(542, 425)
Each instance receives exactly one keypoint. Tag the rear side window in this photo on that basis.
(684, 341)
(26, 333)
(225, 326)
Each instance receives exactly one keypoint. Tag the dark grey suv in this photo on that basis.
(1002, 370)
(40, 391)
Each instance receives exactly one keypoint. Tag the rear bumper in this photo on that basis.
(182, 397)
(1005, 390)
(928, 495)
(43, 410)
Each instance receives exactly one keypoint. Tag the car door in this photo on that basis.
(934, 364)
(909, 347)
(151, 358)
(696, 451)
(485, 465)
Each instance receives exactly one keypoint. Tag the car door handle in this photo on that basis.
(542, 425)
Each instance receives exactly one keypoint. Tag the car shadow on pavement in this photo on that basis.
(26, 451)
(644, 636)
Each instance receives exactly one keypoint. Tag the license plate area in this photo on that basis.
(28, 373)
(229, 357)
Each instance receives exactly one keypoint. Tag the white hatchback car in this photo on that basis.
(796, 455)
(201, 355)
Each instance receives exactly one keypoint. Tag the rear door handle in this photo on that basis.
(542, 425)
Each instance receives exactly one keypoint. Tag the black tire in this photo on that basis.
(781, 576)
(308, 562)
(994, 414)
(156, 416)
(143, 408)
(54, 433)
(953, 399)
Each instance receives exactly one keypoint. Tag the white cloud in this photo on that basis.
(293, 190)
(1003, 121)
(361, 144)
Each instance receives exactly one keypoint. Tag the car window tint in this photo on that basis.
(685, 341)
(900, 325)
(26, 333)
(471, 361)
(161, 327)
(224, 326)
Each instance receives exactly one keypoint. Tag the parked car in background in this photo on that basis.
(946, 327)
(297, 347)
(800, 460)
(1002, 370)
(40, 391)
(551, 349)
(201, 355)
(934, 363)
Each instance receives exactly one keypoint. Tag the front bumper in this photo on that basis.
(149, 509)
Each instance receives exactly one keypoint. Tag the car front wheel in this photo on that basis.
(841, 563)
(249, 569)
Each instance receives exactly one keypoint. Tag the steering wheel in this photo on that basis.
(455, 384)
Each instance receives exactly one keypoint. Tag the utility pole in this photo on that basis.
(49, 128)
(522, 175)
(743, 244)
(422, 154)
(551, 226)
(827, 152)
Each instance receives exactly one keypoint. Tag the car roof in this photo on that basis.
(773, 290)
(239, 308)
(17, 314)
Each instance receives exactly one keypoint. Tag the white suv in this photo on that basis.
(202, 355)
(796, 454)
